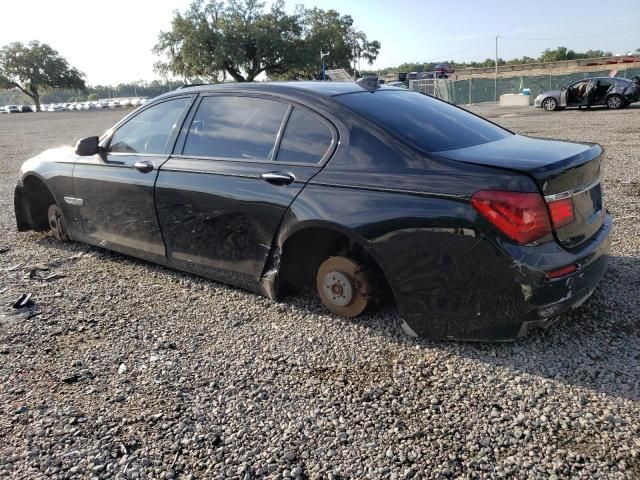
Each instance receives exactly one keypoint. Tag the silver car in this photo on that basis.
(611, 92)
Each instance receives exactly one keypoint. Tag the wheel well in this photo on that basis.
(305, 250)
(39, 198)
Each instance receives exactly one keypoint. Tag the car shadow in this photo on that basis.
(596, 346)
(601, 108)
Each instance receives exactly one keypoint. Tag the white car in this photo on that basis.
(12, 109)
(114, 104)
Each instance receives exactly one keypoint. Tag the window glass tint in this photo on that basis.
(306, 138)
(235, 127)
(428, 123)
(149, 131)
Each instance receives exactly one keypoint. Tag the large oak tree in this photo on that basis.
(35, 67)
(240, 39)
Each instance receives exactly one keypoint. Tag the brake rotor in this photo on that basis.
(56, 222)
(341, 286)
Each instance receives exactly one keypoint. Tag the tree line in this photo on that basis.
(549, 55)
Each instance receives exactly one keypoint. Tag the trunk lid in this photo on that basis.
(560, 170)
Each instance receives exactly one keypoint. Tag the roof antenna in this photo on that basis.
(370, 84)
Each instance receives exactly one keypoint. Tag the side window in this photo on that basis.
(149, 131)
(306, 138)
(235, 127)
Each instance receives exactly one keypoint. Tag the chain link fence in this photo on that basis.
(476, 90)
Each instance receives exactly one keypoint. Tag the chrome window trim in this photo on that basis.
(244, 160)
(573, 192)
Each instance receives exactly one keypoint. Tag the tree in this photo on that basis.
(213, 40)
(35, 67)
(92, 97)
(240, 39)
(328, 31)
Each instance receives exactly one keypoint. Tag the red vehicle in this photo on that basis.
(443, 70)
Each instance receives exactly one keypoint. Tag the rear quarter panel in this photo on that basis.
(412, 214)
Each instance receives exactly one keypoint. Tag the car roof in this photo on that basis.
(322, 88)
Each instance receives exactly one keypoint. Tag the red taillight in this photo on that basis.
(561, 212)
(521, 216)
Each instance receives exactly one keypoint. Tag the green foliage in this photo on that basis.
(92, 97)
(36, 67)
(240, 39)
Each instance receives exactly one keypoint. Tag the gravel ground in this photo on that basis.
(130, 370)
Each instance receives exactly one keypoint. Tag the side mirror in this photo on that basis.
(87, 147)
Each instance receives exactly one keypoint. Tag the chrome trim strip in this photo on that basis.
(572, 192)
(390, 190)
(244, 160)
(211, 172)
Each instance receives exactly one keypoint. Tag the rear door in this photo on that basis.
(242, 160)
(115, 190)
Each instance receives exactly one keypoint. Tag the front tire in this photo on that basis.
(57, 223)
(615, 102)
(342, 286)
(549, 104)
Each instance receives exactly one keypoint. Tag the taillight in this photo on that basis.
(561, 212)
(521, 216)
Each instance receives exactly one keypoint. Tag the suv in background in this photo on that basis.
(12, 109)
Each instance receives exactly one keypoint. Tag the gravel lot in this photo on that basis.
(130, 370)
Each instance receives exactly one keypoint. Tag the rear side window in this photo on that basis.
(149, 131)
(430, 124)
(235, 127)
(306, 138)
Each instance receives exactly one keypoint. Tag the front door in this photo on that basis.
(115, 189)
(578, 93)
(243, 160)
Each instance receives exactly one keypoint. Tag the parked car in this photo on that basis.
(114, 104)
(12, 109)
(351, 189)
(26, 109)
(443, 70)
(611, 92)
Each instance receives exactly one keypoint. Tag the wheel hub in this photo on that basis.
(338, 287)
(342, 286)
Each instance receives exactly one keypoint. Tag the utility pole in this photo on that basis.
(495, 79)
(322, 55)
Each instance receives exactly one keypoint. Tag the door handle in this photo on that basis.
(278, 178)
(145, 166)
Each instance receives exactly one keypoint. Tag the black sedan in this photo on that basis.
(356, 191)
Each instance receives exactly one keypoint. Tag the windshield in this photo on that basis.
(430, 124)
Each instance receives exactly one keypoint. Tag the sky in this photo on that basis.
(111, 41)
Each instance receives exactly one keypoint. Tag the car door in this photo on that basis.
(242, 160)
(115, 190)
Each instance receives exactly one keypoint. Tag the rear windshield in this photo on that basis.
(430, 124)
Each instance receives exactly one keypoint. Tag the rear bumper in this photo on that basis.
(498, 291)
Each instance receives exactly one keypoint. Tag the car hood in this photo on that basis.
(551, 93)
(59, 154)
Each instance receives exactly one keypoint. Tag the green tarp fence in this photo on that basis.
(482, 89)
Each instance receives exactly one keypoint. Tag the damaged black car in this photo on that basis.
(360, 192)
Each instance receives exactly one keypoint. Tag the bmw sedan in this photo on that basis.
(355, 191)
(613, 93)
